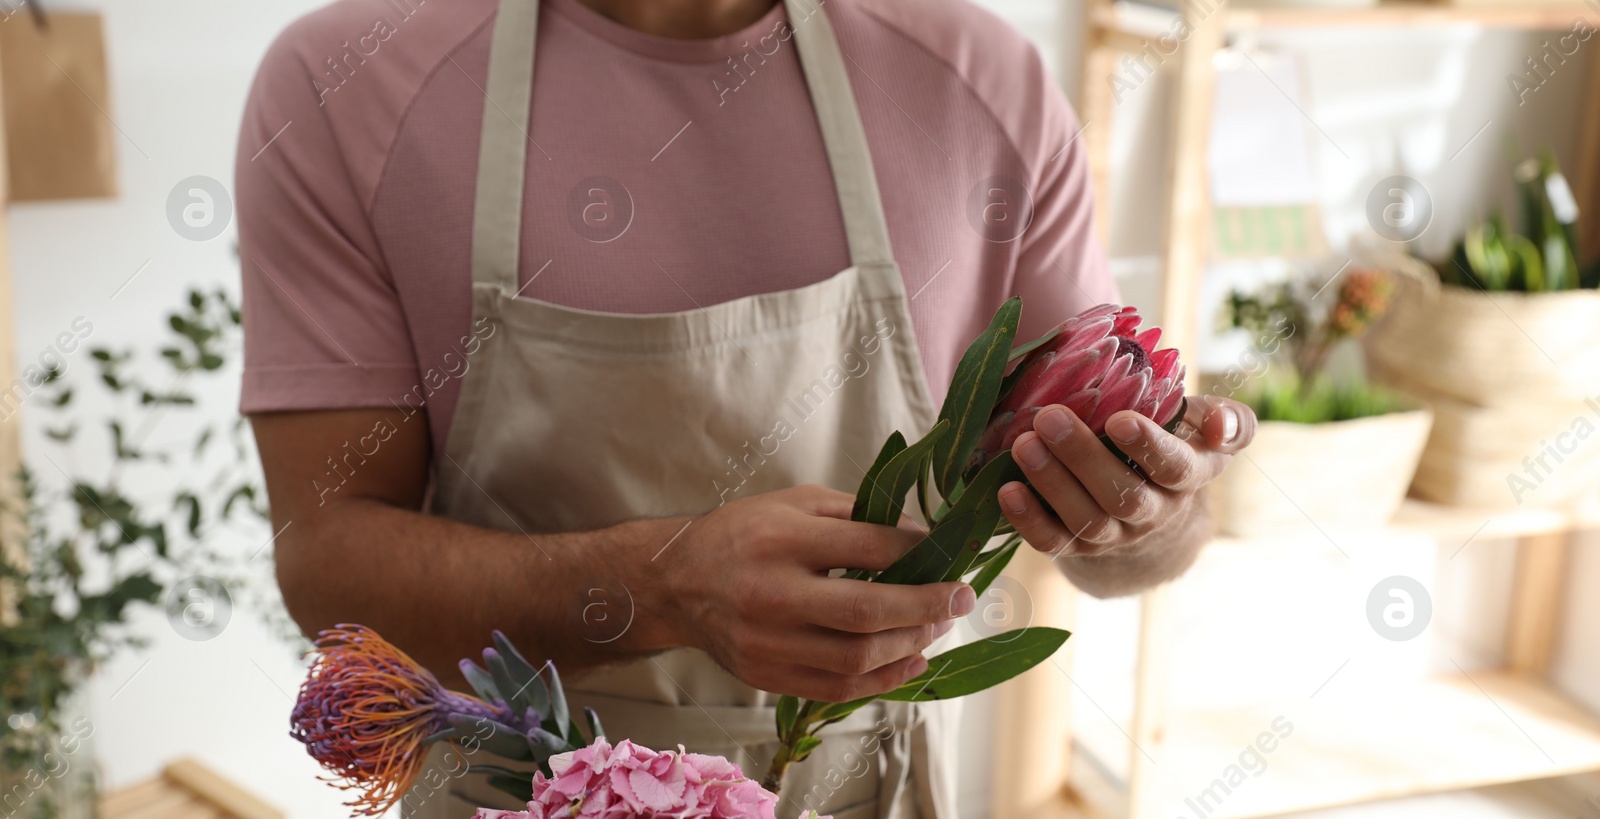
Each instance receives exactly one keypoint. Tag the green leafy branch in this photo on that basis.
(78, 554)
(959, 500)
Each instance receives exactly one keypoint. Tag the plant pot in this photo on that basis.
(1514, 383)
(1299, 477)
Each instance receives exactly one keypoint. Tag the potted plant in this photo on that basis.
(80, 553)
(1328, 451)
(1499, 340)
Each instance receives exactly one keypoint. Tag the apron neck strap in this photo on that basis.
(503, 143)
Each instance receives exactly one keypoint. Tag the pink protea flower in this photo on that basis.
(632, 782)
(1098, 364)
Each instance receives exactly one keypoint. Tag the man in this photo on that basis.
(573, 319)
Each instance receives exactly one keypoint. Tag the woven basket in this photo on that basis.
(1507, 376)
(1303, 477)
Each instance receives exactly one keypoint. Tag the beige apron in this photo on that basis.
(575, 420)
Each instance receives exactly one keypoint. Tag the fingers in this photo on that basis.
(824, 501)
(1165, 459)
(856, 654)
(827, 686)
(860, 607)
(1092, 491)
(1037, 524)
(1226, 425)
(825, 543)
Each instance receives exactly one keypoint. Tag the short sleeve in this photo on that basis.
(323, 324)
(1062, 268)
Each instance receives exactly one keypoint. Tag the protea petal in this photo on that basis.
(1149, 339)
(1126, 322)
(1118, 396)
(1121, 367)
(1082, 403)
(1085, 333)
(1023, 422)
(1162, 362)
(1100, 310)
(1169, 403)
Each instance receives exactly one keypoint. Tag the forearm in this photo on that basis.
(437, 587)
(1163, 555)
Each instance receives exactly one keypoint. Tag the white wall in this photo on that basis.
(180, 70)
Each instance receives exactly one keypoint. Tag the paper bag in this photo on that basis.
(58, 124)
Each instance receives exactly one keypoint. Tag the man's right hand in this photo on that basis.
(748, 584)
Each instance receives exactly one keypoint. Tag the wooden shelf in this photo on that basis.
(1345, 747)
(1421, 736)
(1535, 15)
(1514, 16)
(1447, 524)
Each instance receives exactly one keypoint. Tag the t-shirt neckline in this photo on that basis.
(714, 49)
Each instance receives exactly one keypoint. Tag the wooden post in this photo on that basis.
(1184, 258)
(1096, 111)
(11, 532)
(1189, 199)
(1536, 602)
(1588, 181)
(1148, 727)
(1033, 737)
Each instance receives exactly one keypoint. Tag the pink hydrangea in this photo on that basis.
(633, 782)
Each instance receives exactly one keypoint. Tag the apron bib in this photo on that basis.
(573, 420)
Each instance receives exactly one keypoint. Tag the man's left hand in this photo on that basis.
(1094, 504)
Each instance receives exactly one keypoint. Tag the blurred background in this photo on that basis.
(1398, 617)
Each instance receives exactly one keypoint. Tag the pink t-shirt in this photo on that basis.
(662, 175)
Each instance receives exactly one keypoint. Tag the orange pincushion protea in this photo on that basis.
(366, 712)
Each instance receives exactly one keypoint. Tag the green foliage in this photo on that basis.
(1286, 400)
(78, 553)
(1298, 325)
(1544, 258)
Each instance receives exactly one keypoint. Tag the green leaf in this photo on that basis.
(527, 678)
(805, 746)
(511, 692)
(492, 736)
(981, 500)
(480, 681)
(977, 666)
(835, 711)
(788, 711)
(994, 564)
(928, 561)
(892, 447)
(973, 392)
(519, 788)
(141, 587)
(1023, 349)
(886, 494)
(596, 730)
(558, 700)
